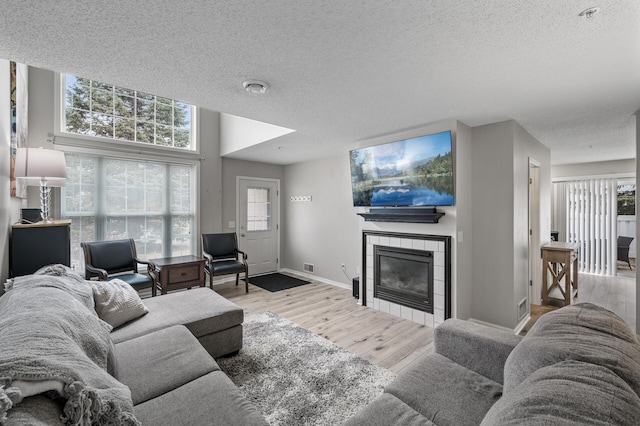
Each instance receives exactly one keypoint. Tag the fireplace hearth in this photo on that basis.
(404, 276)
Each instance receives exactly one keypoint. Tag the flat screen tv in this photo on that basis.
(411, 172)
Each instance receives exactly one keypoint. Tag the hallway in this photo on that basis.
(618, 294)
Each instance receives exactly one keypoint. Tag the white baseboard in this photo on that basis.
(496, 326)
(316, 278)
(524, 322)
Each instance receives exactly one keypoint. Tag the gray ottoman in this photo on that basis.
(213, 320)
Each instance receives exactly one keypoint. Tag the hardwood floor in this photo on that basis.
(383, 339)
(617, 294)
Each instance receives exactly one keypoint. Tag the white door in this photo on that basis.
(258, 223)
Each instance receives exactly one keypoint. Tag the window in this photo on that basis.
(626, 199)
(258, 209)
(102, 110)
(110, 199)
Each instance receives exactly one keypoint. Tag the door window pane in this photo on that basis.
(258, 209)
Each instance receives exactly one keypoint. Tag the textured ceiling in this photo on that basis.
(343, 71)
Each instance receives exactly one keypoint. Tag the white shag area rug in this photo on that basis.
(295, 377)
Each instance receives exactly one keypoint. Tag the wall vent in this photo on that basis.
(522, 309)
(307, 267)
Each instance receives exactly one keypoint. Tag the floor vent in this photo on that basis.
(307, 267)
(522, 309)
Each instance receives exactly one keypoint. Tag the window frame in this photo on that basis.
(103, 142)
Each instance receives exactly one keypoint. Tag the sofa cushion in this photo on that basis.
(582, 332)
(568, 393)
(445, 392)
(157, 363)
(201, 310)
(475, 346)
(388, 410)
(117, 302)
(209, 400)
(37, 410)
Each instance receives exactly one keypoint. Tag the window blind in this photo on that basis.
(591, 212)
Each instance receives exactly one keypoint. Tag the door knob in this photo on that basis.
(242, 235)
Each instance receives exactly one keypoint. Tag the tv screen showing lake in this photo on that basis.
(409, 194)
(410, 172)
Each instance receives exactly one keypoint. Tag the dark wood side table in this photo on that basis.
(173, 273)
(560, 262)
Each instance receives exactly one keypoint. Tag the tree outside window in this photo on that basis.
(626, 200)
(103, 110)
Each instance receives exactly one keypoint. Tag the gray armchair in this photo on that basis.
(108, 260)
(224, 258)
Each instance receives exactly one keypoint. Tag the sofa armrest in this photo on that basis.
(477, 347)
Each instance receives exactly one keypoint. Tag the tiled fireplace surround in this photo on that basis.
(440, 245)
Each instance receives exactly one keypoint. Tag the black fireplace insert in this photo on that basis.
(404, 276)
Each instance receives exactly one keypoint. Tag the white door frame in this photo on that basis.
(277, 182)
(535, 264)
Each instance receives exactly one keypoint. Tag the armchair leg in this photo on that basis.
(237, 279)
(246, 281)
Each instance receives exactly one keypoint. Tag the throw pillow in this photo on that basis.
(117, 302)
(568, 393)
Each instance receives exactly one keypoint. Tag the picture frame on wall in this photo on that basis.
(19, 102)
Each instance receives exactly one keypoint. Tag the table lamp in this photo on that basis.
(44, 168)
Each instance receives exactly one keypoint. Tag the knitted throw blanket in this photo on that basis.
(52, 339)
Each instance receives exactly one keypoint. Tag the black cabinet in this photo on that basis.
(36, 245)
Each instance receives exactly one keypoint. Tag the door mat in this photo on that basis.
(276, 282)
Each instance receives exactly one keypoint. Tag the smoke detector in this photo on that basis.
(255, 86)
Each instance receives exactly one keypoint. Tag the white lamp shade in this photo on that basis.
(36, 164)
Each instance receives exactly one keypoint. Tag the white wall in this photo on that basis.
(492, 246)
(210, 200)
(527, 147)
(501, 153)
(237, 133)
(599, 168)
(463, 239)
(324, 232)
(9, 206)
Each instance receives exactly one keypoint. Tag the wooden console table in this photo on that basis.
(560, 262)
(173, 273)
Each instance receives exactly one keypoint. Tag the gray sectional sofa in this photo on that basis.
(578, 365)
(156, 369)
